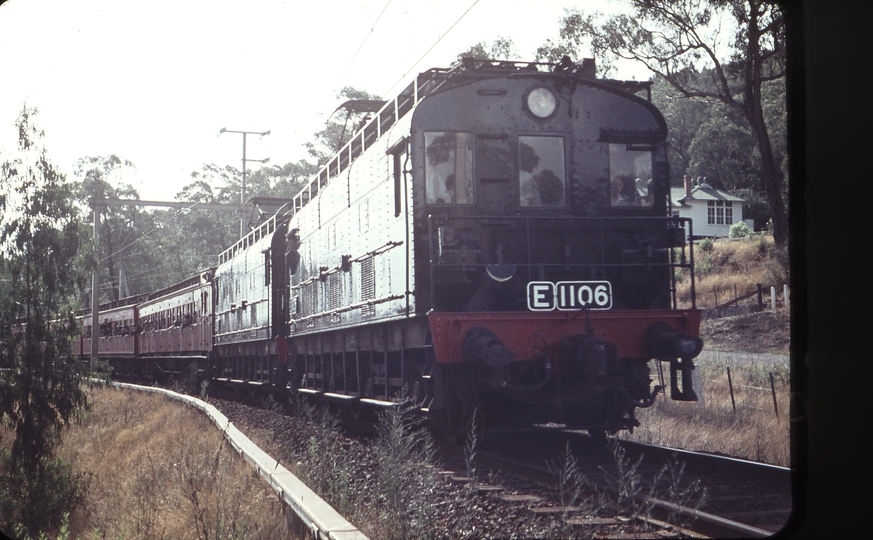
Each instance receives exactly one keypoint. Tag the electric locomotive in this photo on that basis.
(494, 245)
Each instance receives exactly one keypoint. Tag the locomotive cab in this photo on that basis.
(544, 250)
(533, 177)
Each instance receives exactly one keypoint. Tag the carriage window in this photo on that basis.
(541, 177)
(449, 168)
(630, 173)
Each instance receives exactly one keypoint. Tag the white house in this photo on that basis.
(713, 210)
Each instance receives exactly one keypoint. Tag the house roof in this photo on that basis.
(700, 192)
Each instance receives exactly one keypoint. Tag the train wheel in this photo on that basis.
(456, 410)
(461, 418)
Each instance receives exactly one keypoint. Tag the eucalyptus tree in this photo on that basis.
(341, 125)
(43, 242)
(125, 252)
(741, 41)
(500, 49)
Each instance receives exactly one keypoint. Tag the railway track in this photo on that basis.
(743, 499)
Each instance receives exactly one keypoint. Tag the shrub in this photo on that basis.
(706, 245)
(38, 500)
(739, 230)
(703, 263)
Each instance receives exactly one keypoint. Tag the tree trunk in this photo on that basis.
(772, 180)
(754, 113)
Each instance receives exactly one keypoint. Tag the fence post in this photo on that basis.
(731, 387)
(773, 298)
(785, 295)
(773, 391)
(760, 298)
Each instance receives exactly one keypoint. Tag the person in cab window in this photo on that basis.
(542, 188)
(550, 188)
(623, 191)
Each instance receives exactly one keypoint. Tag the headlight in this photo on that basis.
(541, 102)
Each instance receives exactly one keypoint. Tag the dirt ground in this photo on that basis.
(763, 332)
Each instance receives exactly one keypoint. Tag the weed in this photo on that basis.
(405, 479)
(691, 496)
(568, 490)
(626, 485)
(470, 456)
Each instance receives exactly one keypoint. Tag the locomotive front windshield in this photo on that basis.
(541, 178)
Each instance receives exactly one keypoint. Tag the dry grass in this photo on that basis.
(753, 432)
(162, 470)
(733, 268)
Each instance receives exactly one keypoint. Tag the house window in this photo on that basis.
(719, 213)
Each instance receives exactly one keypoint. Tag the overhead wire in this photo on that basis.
(175, 214)
(402, 77)
(444, 34)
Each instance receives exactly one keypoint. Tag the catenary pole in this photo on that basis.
(242, 201)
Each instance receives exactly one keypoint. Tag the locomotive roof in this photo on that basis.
(429, 82)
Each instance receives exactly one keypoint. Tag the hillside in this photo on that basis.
(727, 269)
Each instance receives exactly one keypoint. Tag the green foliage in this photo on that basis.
(405, 478)
(42, 242)
(739, 230)
(124, 245)
(677, 40)
(340, 128)
(724, 152)
(706, 245)
(501, 49)
(39, 500)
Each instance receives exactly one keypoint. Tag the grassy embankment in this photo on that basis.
(749, 426)
(160, 469)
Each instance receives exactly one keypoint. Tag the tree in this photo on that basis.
(677, 38)
(683, 117)
(42, 240)
(501, 49)
(724, 152)
(339, 129)
(123, 249)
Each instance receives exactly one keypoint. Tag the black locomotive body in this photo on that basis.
(495, 241)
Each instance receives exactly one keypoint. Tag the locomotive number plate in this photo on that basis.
(568, 295)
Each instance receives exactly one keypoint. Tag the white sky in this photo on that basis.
(154, 82)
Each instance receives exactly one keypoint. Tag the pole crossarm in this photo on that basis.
(94, 202)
